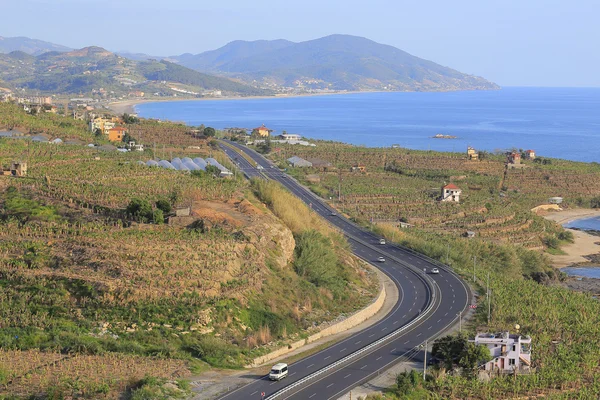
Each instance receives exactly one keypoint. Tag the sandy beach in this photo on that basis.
(584, 245)
(128, 106)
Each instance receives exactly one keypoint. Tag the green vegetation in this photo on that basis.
(83, 284)
(340, 62)
(85, 70)
(510, 241)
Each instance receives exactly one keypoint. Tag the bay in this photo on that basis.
(555, 122)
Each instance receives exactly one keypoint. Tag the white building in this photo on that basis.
(291, 136)
(509, 352)
(451, 192)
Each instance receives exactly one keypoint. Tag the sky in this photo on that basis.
(510, 42)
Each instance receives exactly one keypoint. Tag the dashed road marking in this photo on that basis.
(310, 365)
(347, 376)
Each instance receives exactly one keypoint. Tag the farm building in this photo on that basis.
(472, 154)
(530, 154)
(451, 192)
(358, 168)
(514, 158)
(509, 352)
(299, 162)
(16, 169)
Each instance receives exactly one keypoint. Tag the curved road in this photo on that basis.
(444, 296)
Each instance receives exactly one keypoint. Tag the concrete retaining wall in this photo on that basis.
(353, 320)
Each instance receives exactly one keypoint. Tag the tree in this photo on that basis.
(210, 132)
(130, 119)
(472, 356)
(140, 210)
(164, 205)
(448, 349)
(158, 217)
(211, 169)
(98, 132)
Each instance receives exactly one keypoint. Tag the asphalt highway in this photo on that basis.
(428, 304)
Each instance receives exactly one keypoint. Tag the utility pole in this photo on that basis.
(490, 307)
(488, 297)
(425, 360)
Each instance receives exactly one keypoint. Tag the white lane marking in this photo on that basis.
(327, 357)
(404, 316)
(344, 349)
(253, 393)
(429, 327)
(371, 335)
(364, 366)
(378, 358)
(310, 365)
(393, 350)
(453, 290)
(357, 342)
(445, 314)
(406, 342)
(347, 376)
(273, 383)
(396, 322)
(330, 385)
(312, 395)
(438, 321)
(419, 334)
(384, 328)
(292, 374)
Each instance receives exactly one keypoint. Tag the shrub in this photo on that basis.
(140, 210)
(315, 259)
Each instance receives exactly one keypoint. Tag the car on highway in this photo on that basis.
(435, 271)
(278, 372)
(380, 259)
(333, 214)
(259, 167)
(381, 241)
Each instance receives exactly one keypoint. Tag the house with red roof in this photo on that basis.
(451, 192)
(262, 131)
(530, 154)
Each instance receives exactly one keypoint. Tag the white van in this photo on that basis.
(278, 372)
(381, 241)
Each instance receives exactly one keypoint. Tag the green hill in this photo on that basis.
(91, 68)
(29, 46)
(335, 62)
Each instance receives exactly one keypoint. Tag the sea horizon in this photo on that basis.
(555, 122)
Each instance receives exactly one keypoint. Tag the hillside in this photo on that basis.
(30, 46)
(93, 292)
(339, 62)
(86, 71)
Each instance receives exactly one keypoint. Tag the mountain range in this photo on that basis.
(331, 63)
(340, 62)
(86, 71)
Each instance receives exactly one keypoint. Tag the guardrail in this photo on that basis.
(355, 354)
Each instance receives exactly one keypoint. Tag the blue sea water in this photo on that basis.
(586, 224)
(555, 122)
(587, 272)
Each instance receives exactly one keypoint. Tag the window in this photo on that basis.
(511, 361)
(514, 347)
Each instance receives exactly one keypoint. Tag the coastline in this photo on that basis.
(584, 244)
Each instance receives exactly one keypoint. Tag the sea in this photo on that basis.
(586, 224)
(555, 122)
